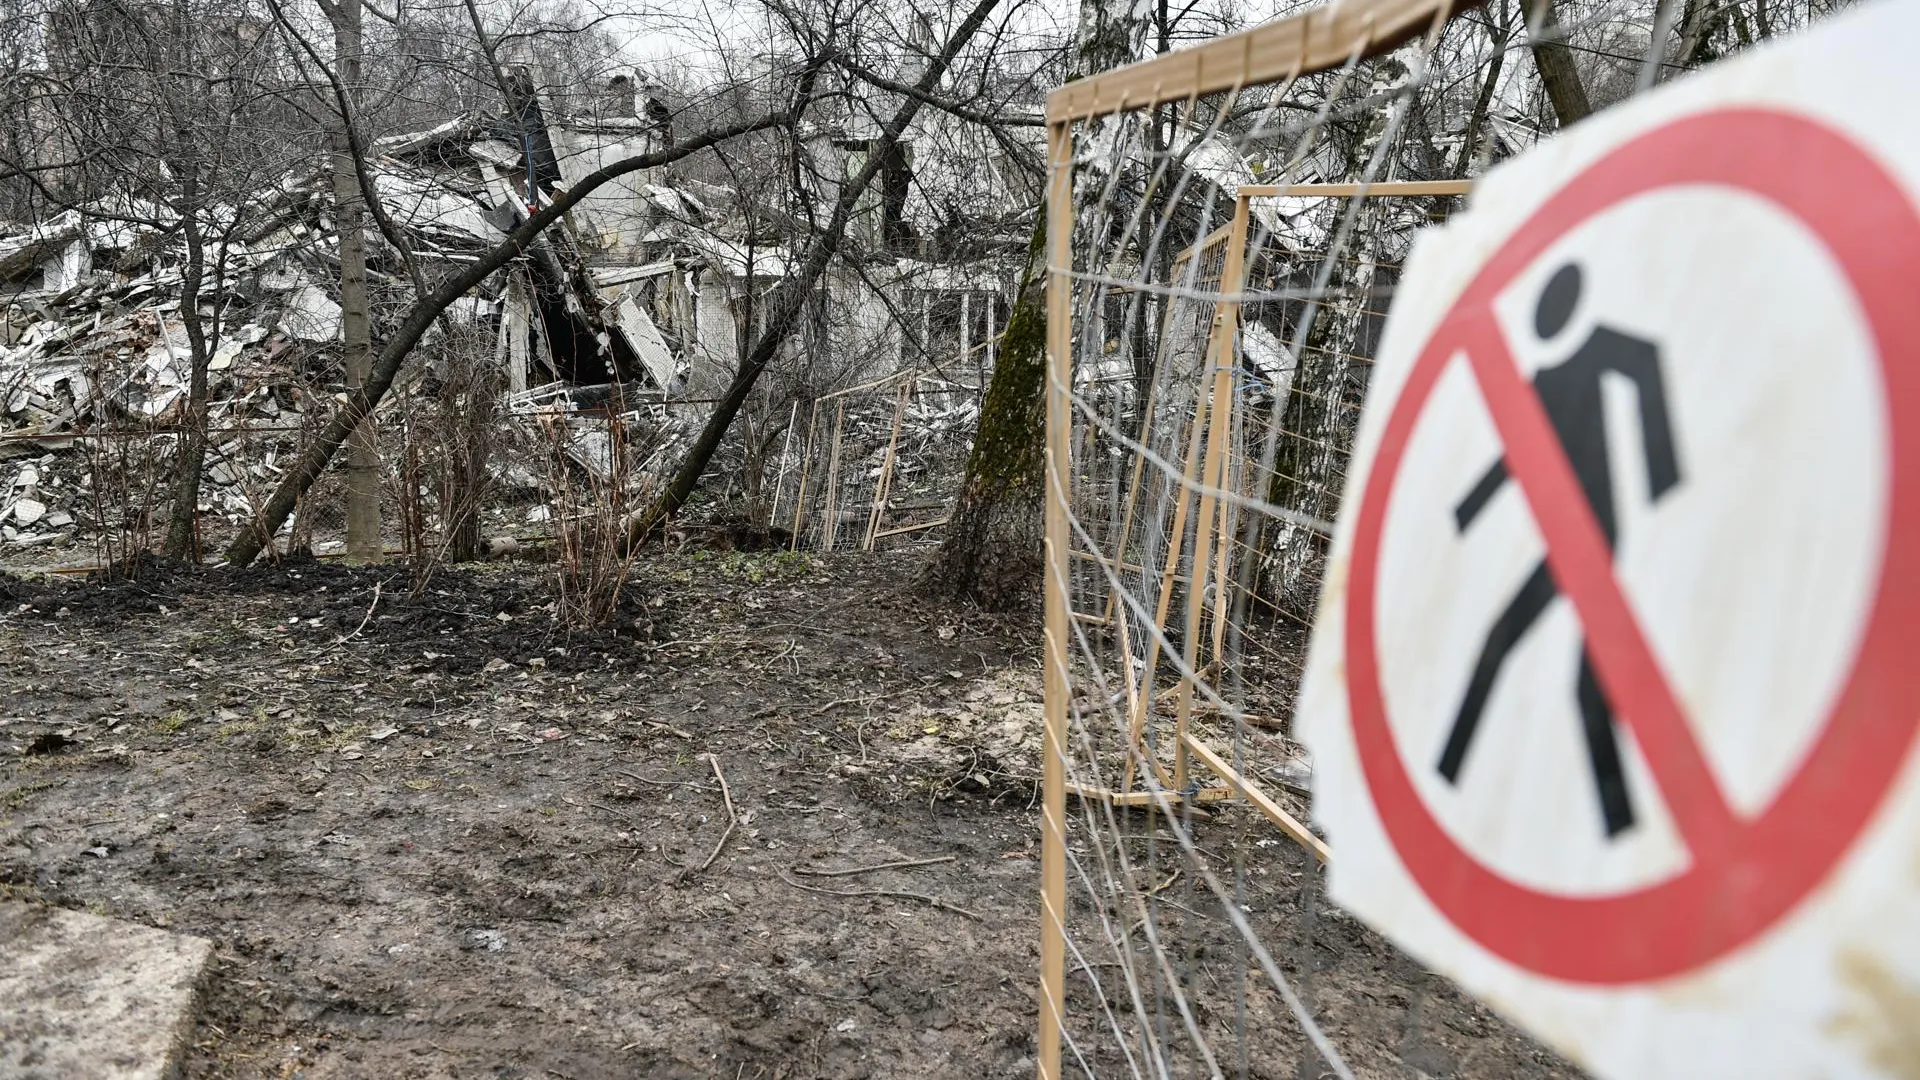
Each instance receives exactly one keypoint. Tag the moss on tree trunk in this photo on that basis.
(992, 554)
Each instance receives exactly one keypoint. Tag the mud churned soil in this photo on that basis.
(432, 835)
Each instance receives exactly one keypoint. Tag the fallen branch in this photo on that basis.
(342, 640)
(732, 818)
(663, 783)
(868, 700)
(922, 897)
(870, 869)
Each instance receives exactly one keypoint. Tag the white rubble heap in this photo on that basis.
(637, 286)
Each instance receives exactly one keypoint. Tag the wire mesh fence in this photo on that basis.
(1225, 234)
(876, 463)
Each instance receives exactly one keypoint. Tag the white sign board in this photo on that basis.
(1614, 690)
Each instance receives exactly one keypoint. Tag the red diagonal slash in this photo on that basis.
(1582, 566)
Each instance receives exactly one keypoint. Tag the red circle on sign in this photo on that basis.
(1760, 868)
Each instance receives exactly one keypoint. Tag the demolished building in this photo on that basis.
(649, 284)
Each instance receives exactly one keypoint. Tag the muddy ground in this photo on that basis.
(432, 836)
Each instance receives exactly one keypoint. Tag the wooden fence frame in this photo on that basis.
(1318, 39)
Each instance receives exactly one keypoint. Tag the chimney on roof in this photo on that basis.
(654, 102)
(618, 98)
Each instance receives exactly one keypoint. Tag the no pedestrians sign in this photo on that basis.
(1615, 688)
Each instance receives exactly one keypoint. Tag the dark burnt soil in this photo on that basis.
(433, 835)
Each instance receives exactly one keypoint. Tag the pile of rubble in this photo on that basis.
(94, 349)
(638, 287)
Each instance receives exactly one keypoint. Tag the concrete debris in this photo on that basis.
(89, 998)
(311, 315)
(27, 511)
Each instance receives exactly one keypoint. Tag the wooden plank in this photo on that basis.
(1204, 242)
(1401, 188)
(1176, 539)
(884, 482)
(1058, 686)
(1318, 39)
(1221, 352)
(786, 451)
(1275, 813)
(830, 522)
(806, 464)
(1149, 798)
(909, 528)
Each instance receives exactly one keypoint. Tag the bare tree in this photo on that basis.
(356, 331)
(991, 554)
(163, 119)
(1559, 74)
(789, 299)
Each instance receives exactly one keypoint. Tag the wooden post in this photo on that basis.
(1176, 543)
(830, 525)
(883, 484)
(926, 328)
(966, 327)
(1220, 351)
(1222, 582)
(806, 465)
(514, 316)
(993, 334)
(1053, 831)
(780, 477)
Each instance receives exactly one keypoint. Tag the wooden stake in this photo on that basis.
(1222, 583)
(1274, 812)
(1220, 353)
(1053, 810)
(780, 477)
(1176, 542)
(882, 485)
(806, 465)
(830, 527)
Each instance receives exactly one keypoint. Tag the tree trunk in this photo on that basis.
(193, 421)
(1558, 73)
(187, 166)
(1499, 35)
(470, 407)
(992, 553)
(363, 448)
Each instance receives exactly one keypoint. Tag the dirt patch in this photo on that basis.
(434, 842)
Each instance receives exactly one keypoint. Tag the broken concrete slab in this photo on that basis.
(89, 998)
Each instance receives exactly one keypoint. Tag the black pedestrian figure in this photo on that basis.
(1570, 393)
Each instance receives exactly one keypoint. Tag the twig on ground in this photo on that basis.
(732, 818)
(870, 869)
(663, 783)
(868, 700)
(922, 897)
(344, 638)
(1162, 887)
